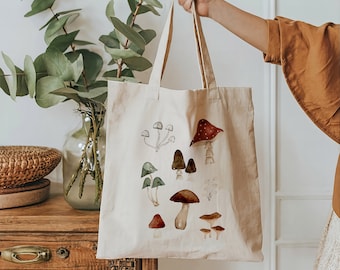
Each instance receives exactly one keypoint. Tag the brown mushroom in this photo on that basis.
(178, 163)
(218, 230)
(206, 232)
(206, 132)
(211, 218)
(185, 197)
(191, 167)
(156, 223)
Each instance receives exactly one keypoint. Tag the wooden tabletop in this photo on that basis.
(52, 215)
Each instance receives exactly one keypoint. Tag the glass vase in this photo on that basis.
(83, 164)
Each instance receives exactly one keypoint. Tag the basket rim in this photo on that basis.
(22, 164)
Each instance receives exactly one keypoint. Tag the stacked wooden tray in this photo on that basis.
(22, 174)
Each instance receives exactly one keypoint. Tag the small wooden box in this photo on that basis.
(70, 236)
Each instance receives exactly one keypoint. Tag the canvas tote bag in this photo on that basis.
(180, 172)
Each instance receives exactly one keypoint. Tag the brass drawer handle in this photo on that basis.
(17, 254)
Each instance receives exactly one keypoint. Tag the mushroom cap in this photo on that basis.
(148, 168)
(156, 222)
(204, 230)
(185, 196)
(191, 167)
(178, 162)
(158, 125)
(145, 133)
(214, 215)
(157, 182)
(205, 131)
(169, 127)
(218, 228)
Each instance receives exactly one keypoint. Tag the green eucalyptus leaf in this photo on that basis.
(68, 11)
(121, 53)
(147, 8)
(137, 28)
(120, 37)
(78, 67)
(45, 86)
(129, 20)
(56, 16)
(57, 25)
(132, 5)
(13, 85)
(82, 42)
(100, 98)
(3, 82)
(62, 42)
(128, 32)
(109, 41)
(40, 66)
(58, 65)
(138, 63)
(93, 93)
(38, 6)
(154, 3)
(30, 75)
(148, 35)
(93, 64)
(81, 97)
(113, 73)
(22, 89)
(110, 10)
(68, 93)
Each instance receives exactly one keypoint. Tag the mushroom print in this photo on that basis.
(218, 230)
(211, 218)
(157, 224)
(163, 136)
(206, 132)
(191, 167)
(178, 163)
(150, 183)
(186, 197)
(206, 232)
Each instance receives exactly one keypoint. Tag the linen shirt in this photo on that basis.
(310, 60)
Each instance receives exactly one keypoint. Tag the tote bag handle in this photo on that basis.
(207, 73)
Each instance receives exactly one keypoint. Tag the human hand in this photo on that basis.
(202, 6)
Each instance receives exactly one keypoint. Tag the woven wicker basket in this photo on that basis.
(20, 165)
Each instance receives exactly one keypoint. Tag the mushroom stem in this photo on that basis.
(209, 153)
(179, 174)
(181, 218)
(155, 199)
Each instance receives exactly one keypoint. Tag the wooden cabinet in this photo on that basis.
(67, 239)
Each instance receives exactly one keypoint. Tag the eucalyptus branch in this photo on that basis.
(75, 74)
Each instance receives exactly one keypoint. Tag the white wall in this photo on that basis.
(296, 161)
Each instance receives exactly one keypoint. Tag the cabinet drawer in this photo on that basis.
(66, 252)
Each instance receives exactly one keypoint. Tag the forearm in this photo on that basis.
(248, 27)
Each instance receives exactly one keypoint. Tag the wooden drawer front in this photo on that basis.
(66, 254)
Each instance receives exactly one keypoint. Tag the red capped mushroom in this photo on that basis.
(206, 132)
(156, 224)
